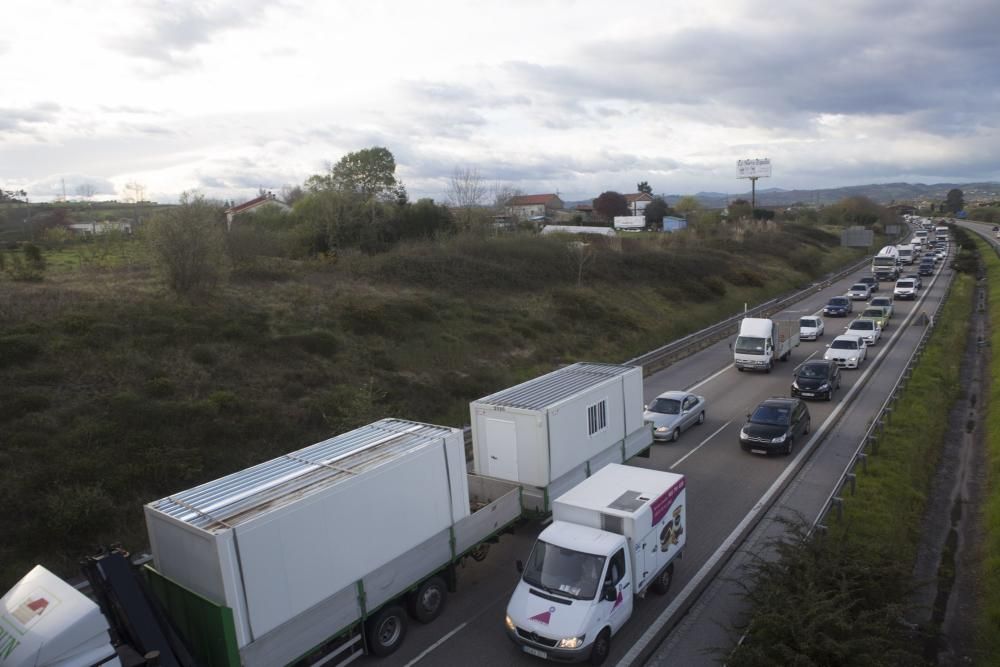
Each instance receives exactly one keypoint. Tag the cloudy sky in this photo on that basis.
(568, 96)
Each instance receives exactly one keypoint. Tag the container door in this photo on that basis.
(501, 449)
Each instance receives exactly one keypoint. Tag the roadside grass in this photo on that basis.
(988, 625)
(837, 598)
(888, 506)
(114, 392)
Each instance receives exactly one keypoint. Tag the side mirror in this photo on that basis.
(610, 593)
(828, 345)
(645, 407)
(520, 566)
(748, 416)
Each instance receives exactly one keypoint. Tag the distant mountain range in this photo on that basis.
(882, 193)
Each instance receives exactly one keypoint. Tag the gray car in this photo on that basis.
(673, 412)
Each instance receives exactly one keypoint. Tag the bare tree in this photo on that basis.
(501, 193)
(466, 192)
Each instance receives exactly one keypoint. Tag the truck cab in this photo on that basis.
(576, 583)
(614, 536)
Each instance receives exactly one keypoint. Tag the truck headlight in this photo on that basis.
(509, 622)
(780, 438)
(571, 642)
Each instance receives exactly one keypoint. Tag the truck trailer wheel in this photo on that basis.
(427, 602)
(601, 648)
(385, 630)
(662, 582)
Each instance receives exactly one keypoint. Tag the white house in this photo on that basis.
(526, 207)
(637, 202)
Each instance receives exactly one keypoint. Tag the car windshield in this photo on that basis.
(749, 345)
(809, 322)
(904, 283)
(813, 371)
(881, 302)
(666, 406)
(862, 324)
(563, 571)
(838, 301)
(872, 312)
(860, 287)
(769, 414)
(844, 344)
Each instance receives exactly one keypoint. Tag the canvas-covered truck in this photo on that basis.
(554, 431)
(761, 341)
(613, 537)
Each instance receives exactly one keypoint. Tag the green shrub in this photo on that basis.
(71, 511)
(204, 355)
(18, 349)
(319, 342)
(159, 387)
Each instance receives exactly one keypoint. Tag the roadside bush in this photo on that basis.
(319, 342)
(72, 510)
(18, 349)
(187, 245)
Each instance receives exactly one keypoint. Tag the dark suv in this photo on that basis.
(838, 306)
(816, 378)
(775, 425)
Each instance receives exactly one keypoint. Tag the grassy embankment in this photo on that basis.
(988, 626)
(114, 393)
(837, 599)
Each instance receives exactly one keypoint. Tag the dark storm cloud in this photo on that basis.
(801, 60)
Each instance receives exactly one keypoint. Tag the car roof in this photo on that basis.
(853, 337)
(779, 401)
(678, 395)
(817, 362)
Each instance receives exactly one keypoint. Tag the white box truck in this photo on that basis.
(613, 537)
(320, 550)
(761, 341)
(554, 431)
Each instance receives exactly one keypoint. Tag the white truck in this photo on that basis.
(885, 263)
(906, 253)
(613, 537)
(554, 431)
(316, 556)
(761, 341)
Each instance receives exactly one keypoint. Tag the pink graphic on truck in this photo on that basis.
(661, 505)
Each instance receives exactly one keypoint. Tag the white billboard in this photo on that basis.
(755, 168)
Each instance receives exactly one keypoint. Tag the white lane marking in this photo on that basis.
(702, 443)
(710, 377)
(433, 646)
(726, 547)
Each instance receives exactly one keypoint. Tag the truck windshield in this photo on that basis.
(563, 571)
(666, 406)
(888, 262)
(749, 345)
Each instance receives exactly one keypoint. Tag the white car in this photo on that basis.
(867, 330)
(860, 292)
(906, 288)
(848, 351)
(810, 328)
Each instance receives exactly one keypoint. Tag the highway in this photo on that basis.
(729, 492)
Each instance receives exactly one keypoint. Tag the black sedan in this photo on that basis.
(775, 425)
(817, 378)
(838, 306)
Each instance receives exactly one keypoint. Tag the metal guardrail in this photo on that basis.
(835, 501)
(688, 345)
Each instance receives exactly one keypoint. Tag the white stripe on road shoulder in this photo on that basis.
(433, 646)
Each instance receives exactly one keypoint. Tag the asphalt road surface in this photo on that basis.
(726, 489)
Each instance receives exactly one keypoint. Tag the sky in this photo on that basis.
(569, 96)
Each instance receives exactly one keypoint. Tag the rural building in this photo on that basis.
(266, 199)
(637, 202)
(95, 228)
(528, 207)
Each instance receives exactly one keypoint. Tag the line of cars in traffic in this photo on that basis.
(776, 423)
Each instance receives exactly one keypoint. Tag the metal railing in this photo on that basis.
(683, 347)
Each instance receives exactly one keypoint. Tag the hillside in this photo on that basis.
(114, 392)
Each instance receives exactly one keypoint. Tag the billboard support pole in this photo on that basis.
(753, 195)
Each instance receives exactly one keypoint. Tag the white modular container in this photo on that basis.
(647, 507)
(556, 430)
(297, 532)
